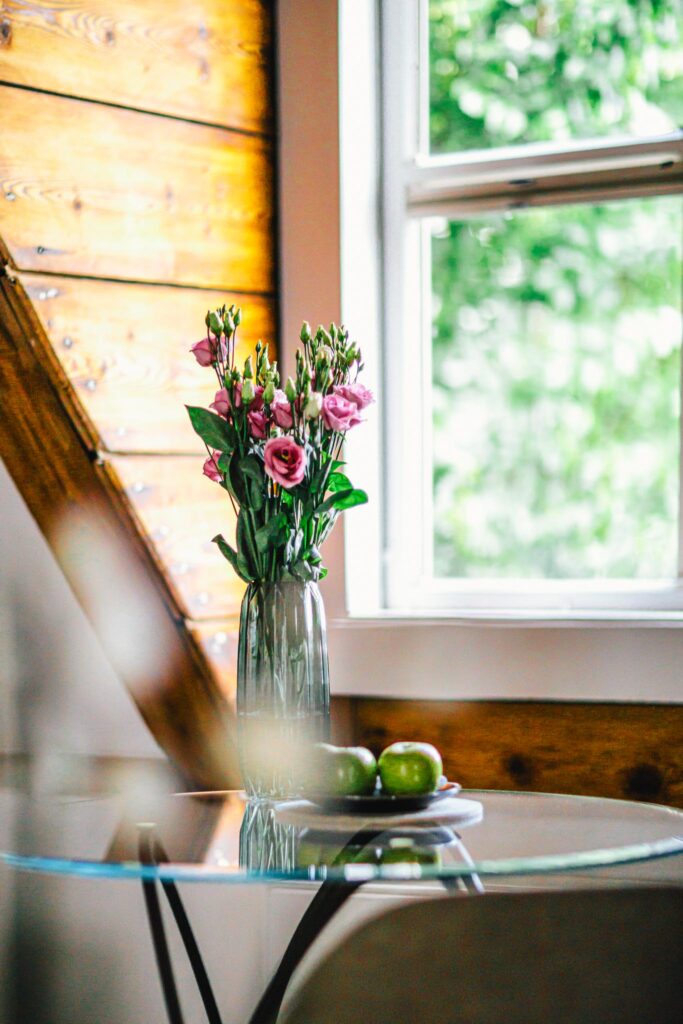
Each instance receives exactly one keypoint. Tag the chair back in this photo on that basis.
(610, 956)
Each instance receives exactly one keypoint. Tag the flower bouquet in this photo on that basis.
(277, 452)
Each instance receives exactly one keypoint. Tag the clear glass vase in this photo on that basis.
(283, 690)
(265, 844)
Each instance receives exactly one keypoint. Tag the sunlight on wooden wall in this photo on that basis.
(136, 191)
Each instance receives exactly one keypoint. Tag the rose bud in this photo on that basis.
(216, 324)
(204, 352)
(313, 406)
(210, 468)
(257, 424)
(290, 390)
(248, 394)
(221, 402)
(282, 410)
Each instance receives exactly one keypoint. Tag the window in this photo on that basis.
(533, 257)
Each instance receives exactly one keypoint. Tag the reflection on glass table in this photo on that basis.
(161, 839)
(223, 838)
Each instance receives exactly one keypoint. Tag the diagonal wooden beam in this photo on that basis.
(50, 449)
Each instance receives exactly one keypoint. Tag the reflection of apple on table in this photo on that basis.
(398, 850)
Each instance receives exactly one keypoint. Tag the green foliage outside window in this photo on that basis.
(556, 338)
(505, 72)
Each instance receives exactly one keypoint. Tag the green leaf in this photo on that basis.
(322, 572)
(251, 472)
(274, 534)
(331, 501)
(231, 434)
(346, 500)
(312, 555)
(244, 547)
(250, 467)
(231, 556)
(211, 428)
(303, 571)
(339, 482)
(244, 569)
(236, 480)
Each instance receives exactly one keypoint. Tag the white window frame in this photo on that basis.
(331, 268)
(418, 186)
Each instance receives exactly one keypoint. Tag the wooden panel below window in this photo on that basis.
(125, 349)
(630, 751)
(206, 60)
(98, 191)
(180, 510)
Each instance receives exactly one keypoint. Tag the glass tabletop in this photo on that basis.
(223, 837)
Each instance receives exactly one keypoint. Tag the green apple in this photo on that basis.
(404, 851)
(343, 771)
(410, 768)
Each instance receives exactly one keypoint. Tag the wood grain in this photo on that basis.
(97, 191)
(207, 60)
(56, 472)
(180, 510)
(125, 350)
(631, 751)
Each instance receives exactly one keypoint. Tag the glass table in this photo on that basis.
(160, 839)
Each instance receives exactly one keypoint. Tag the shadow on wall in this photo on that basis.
(58, 692)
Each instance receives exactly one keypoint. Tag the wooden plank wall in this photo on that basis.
(136, 191)
(627, 751)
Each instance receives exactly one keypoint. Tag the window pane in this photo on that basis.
(556, 367)
(504, 72)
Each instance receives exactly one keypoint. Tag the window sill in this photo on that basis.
(530, 618)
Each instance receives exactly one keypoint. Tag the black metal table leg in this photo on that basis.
(187, 935)
(331, 895)
(152, 852)
(156, 927)
(324, 905)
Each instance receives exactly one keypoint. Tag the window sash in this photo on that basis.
(415, 188)
(529, 175)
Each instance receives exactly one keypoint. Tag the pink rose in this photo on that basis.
(210, 468)
(339, 414)
(282, 410)
(204, 352)
(258, 424)
(285, 461)
(221, 403)
(361, 396)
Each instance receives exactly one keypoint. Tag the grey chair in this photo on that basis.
(579, 957)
